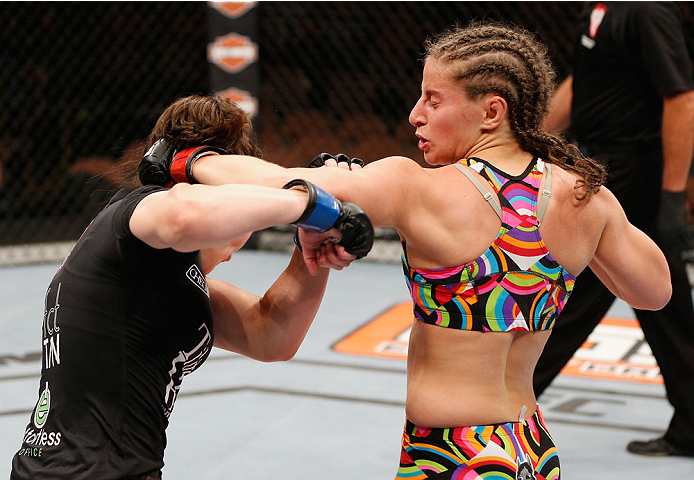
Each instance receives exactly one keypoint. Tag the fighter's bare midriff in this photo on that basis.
(453, 380)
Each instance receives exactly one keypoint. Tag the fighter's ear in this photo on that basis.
(495, 108)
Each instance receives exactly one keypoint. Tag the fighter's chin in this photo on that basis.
(431, 159)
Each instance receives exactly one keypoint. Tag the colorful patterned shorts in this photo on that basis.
(509, 451)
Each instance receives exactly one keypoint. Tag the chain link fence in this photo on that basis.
(82, 83)
(350, 72)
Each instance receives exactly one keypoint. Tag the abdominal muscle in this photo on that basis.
(460, 378)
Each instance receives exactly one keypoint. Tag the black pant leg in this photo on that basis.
(587, 305)
(670, 331)
(634, 178)
(670, 334)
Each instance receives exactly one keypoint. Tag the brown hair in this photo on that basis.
(508, 61)
(206, 120)
(188, 122)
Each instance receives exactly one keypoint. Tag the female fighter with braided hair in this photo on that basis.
(131, 311)
(492, 242)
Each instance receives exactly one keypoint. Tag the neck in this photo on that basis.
(504, 153)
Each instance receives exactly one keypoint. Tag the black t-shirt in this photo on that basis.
(627, 56)
(123, 323)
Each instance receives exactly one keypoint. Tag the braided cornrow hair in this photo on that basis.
(508, 61)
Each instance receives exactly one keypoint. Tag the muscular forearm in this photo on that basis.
(271, 327)
(290, 305)
(193, 217)
(678, 140)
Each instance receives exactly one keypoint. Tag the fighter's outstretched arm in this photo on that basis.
(194, 217)
(381, 188)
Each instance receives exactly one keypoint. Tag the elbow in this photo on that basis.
(656, 299)
(279, 358)
(285, 349)
(662, 295)
(286, 353)
(662, 288)
(260, 350)
(282, 353)
(277, 347)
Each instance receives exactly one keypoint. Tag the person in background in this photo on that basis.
(630, 104)
(131, 310)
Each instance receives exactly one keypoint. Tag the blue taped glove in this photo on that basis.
(322, 209)
(323, 212)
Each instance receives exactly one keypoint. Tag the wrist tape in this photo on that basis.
(182, 164)
(322, 209)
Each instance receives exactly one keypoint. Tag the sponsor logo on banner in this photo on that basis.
(233, 52)
(615, 350)
(233, 9)
(242, 98)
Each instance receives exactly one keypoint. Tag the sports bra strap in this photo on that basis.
(488, 196)
(546, 192)
(542, 202)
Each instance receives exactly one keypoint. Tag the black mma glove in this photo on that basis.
(154, 166)
(323, 212)
(319, 160)
(672, 226)
(164, 165)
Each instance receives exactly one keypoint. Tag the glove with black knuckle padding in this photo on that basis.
(164, 165)
(319, 160)
(323, 212)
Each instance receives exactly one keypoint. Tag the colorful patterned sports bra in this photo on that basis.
(515, 284)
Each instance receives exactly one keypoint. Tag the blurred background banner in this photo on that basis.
(233, 53)
(82, 83)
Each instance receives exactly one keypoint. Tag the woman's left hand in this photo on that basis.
(320, 250)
